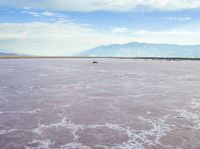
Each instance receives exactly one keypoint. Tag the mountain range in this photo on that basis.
(9, 53)
(135, 49)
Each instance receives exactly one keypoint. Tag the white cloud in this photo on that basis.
(35, 14)
(109, 5)
(11, 35)
(179, 18)
(48, 13)
(174, 36)
(119, 30)
(44, 13)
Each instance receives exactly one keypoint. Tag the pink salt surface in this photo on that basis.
(115, 104)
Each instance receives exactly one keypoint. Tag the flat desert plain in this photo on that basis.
(115, 104)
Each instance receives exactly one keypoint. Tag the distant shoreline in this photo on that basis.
(59, 57)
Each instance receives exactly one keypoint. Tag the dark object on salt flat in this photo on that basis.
(94, 62)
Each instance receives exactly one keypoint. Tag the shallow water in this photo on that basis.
(117, 104)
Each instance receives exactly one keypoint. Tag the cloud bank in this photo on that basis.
(59, 38)
(105, 5)
(68, 38)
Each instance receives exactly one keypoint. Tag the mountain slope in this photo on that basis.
(135, 49)
(9, 53)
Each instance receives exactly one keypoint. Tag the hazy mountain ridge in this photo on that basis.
(135, 49)
(9, 53)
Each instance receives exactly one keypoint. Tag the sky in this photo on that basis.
(67, 27)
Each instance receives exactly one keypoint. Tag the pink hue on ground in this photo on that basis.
(115, 104)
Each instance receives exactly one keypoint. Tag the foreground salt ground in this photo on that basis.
(115, 104)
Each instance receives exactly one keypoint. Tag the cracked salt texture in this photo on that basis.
(117, 104)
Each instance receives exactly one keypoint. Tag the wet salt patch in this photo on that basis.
(195, 103)
(136, 139)
(3, 98)
(66, 106)
(139, 139)
(4, 87)
(74, 145)
(63, 123)
(190, 116)
(128, 145)
(88, 86)
(189, 78)
(34, 111)
(187, 113)
(38, 144)
(43, 75)
(101, 146)
(73, 127)
(35, 87)
(160, 129)
(131, 143)
(149, 113)
(4, 131)
(76, 128)
(20, 112)
(139, 95)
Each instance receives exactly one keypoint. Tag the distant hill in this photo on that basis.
(9, 53)
(135, 49)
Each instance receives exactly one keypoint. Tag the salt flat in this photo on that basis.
(115, 104)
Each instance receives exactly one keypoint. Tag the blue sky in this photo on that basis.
(66, 27)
